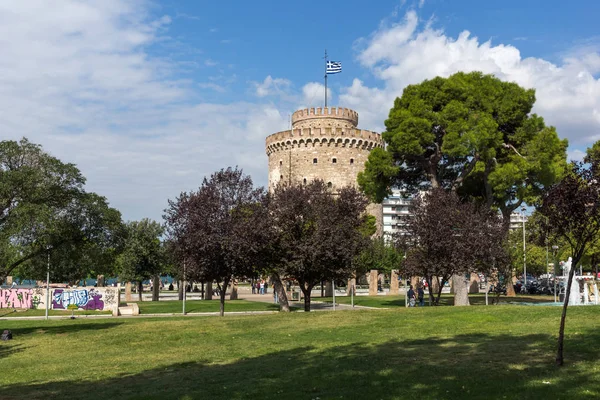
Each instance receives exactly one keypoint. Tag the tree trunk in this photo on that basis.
(279, 288)
(155, 287)
(563, 317)
(140, 289)
(180, 290)
(222, 293)
(461, 290)
(430, 288)
(307, 292)
(439, 293)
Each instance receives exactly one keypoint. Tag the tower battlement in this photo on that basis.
(324, 116)
(318, 136)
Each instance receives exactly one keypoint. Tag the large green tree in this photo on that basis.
(44, 208)
(471, 133)
(143, 256)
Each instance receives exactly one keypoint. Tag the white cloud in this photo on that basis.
(272, 86)
(568, 94)
(77, 78)
(212, 86)
(575, 155)
(210, 63)
(313, 95)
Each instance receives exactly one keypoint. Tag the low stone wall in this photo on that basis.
(101, 299)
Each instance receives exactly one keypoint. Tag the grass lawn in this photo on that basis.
(445, 300)
(430, 353)
(9, 313)
(199, 306)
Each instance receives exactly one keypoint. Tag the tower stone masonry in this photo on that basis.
(324, 143)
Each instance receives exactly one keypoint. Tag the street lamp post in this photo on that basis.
(48, 284)
(524, 250)
(184, 288)
(554, 249)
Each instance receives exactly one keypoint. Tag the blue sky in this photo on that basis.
(148, 97)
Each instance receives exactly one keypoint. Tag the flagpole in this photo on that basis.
(325, 78)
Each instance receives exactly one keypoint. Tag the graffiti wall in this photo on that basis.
(16, 298)
(101, 299)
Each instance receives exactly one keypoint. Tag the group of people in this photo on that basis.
(260, 287)
(413, 297)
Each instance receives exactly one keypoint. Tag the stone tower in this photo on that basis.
(324, 143)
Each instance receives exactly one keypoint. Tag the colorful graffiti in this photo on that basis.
(16, 298)
(82, 298)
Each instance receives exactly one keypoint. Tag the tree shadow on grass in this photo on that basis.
(458, 367)
(76, 326)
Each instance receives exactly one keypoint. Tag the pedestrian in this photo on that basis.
(421, 296)
(253, 288)
(411, 297)
(262, 287)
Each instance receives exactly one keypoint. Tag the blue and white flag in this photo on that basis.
(333, 67)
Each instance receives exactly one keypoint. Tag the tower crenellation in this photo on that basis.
(325, 117)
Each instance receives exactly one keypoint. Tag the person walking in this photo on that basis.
(262, 287)
(421, 296)
(411, 297)
(253, 287)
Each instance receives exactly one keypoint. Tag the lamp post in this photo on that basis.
(184, 288)
(554, 249)
(48, 284)
(524, 250)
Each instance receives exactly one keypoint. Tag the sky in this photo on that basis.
(149, 97)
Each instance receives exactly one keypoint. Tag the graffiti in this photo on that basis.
(87, 300)
(110, 296)
(16, 298)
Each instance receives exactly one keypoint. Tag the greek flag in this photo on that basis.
(333, 67)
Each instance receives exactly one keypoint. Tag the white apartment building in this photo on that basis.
(516, 220)
(395, 211)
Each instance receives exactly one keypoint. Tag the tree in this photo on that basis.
(43, 208)
(573, 210)
(143, 256)
(318, 233)
(97, 236)
(469, 133)
(450, 238)
(378, 254)
(220, 231)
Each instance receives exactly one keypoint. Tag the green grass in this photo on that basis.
(200, 306)
(430, 353)
(10, 313)
(445, 300)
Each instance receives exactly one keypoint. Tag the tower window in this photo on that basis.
(280, 162)
(352, 161)
(314, 160)
(334, 160)
(304, 181)
(280, 176)
(329, 185)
